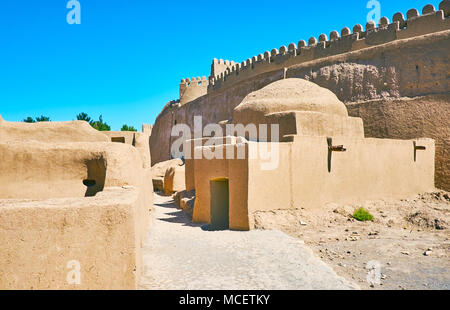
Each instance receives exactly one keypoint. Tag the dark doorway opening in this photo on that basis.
(219, 204)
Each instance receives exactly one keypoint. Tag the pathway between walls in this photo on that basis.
(181, 255)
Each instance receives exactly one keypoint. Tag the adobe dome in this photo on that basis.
(289, 95)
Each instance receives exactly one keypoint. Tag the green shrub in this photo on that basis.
(362, 215)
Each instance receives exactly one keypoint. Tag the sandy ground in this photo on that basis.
(182, 255)
(410, 239)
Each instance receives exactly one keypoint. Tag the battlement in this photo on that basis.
(192, 82)
(220, 66)
(226, 73)
(192, 88)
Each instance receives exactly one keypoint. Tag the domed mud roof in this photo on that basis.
(291, 95)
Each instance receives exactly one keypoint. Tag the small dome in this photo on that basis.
(290, 95)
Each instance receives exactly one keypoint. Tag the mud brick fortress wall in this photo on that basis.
(394, 75)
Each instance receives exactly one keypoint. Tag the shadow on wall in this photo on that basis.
(96, 175)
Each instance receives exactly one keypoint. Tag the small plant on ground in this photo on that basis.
(362, 215)
(100, 125)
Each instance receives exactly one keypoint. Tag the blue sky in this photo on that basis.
(126, 58)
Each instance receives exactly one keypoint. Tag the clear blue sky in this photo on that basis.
(127, 57)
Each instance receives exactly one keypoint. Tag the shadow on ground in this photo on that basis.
(177, 216)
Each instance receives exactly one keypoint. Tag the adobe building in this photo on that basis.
(392, 73)
(323, 157)
(70, 195)
(140, 140)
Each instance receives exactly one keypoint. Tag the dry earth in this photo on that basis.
(409, 238)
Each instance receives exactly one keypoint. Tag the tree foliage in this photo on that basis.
(29, 119)
(125, 127)
(84, 117)
(99, 124)
(41, 118)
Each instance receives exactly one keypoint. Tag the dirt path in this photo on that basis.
(181, 255)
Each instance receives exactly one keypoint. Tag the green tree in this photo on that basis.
(42, 118)
(100, 124)
(84, 117)
(125, 127)
(29, 119)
